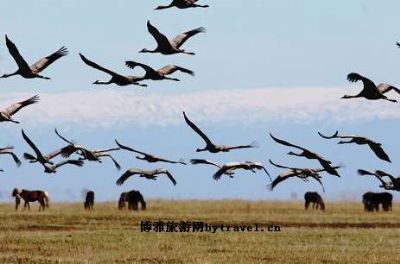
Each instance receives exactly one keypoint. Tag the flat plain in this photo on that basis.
(66, 233)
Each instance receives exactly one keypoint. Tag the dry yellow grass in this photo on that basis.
(67, 234)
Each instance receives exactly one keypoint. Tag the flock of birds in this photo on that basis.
(75, 154)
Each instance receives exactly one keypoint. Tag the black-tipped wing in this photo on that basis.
(43, 63)
(282, 142)
(130, 149)
(128, 174)
(15, 157)
(203, 161)
(133, 64)
(280, 166)
(197, 130)
(329, 137)
(181, 38)
(96, 66)
(379, 152)
(169, 175)
(78, 163)
(33, 146)
(169, 69)
(63, 138)
(365, 172)
(162, 40)
(14, 108)
(22, 64)
(368, 84)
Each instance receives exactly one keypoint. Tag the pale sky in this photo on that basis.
(270, 66)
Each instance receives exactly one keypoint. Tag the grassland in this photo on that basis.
(67, 234)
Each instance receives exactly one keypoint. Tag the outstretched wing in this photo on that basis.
(33, 146)
(280, 141)
(335, 135)
(15, 157)
(116, 164)
(130, 149)
(384, 88)
(378, 150)
(14, 108)
(181, 38)
(78, 163)
(162, 40)
(203, 161)
(43, 63)
(368, 84)
(280, 166)
(280, 178)
(169, 175)
(169, 69)
(63, 138)
(197, 130)
(127, 174)
(365, 172)
(133, 64)
(22, 64)
(98, 67)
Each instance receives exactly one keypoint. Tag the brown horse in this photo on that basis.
(315, 199)
(89, 201)
(31, 196)
(133, 198)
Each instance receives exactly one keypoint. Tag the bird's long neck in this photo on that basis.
(163, 7)
(149, 51)
(9, 75)
(351, 96)
(202, 6)
(101, 82)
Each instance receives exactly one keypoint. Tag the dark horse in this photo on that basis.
(133, 198)
(315, 199)
(31, 196)
(89, 200)
(371, 201)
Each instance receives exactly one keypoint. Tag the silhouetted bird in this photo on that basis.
(159, 74)
(48, 166)
(32, 71)
(359, 140)
(246, 165)
(148, 157)
(302, 173)
(116, 78)
(151, 175)
(211, 147)
(181, 4)
(167, 47)
(326, 164)
(370, 91)
(229, 173)
(6, 114)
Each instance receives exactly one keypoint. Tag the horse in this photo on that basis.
(372, 200)
(315, 199)
(31, 196)
(133, 198)
(89, 200)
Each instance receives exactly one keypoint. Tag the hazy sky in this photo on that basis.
(272, 66)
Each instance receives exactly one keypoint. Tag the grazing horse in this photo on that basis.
(133, 198)
(31, 196)
(371, 201)
(89, 200)
(315, 199)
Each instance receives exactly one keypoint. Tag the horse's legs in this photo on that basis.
(306, 204)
